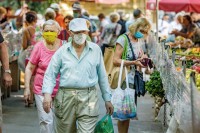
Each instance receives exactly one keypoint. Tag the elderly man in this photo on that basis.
(80, 65)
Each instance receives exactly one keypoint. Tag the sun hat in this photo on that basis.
(78, 24)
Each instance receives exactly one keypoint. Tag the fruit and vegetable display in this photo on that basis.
(189, 52)
(181, 42)
(197, 77)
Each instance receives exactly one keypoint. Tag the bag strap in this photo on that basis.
(127, 83)
(120, 74)
(145, 44)
(124, 54)
(129, 42)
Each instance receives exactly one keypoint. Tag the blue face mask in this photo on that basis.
(76, 15)
(138, 35)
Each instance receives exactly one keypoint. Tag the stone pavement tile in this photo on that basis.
(17, 118)
(141, 126)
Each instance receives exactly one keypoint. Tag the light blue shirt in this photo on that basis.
(83, 72)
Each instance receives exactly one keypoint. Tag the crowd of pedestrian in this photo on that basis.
(63, 58)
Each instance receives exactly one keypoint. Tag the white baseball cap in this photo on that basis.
(78, 24)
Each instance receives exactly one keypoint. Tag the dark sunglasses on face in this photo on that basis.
(143, 31)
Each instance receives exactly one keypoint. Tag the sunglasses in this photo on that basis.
(143, 31)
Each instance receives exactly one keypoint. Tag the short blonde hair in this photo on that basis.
(140, 23)
(51, 22)
(2, 11)
(114, 17)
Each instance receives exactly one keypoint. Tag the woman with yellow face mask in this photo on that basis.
(38, 63)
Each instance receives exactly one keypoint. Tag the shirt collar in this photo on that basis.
(88, 45)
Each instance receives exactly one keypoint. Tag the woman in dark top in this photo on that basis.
(64, 34)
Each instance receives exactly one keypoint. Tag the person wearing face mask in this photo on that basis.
(39, 60)
(81, 67)
(77, 13)
(137, 31)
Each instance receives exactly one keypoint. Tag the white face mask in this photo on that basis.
(80, 38)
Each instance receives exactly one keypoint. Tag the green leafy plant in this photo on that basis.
(155, 86)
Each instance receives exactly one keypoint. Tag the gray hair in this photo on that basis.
(51, 22)
(49, 14)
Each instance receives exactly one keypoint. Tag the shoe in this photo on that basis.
(28, 104)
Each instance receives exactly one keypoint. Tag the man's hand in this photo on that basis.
(7, 79)
(47, 102)
(109, 108)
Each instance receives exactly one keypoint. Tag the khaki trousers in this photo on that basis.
(76, 110)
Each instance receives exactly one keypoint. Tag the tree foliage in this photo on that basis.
(35, 5)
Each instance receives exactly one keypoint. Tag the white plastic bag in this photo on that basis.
(24, 54)
(123, 100)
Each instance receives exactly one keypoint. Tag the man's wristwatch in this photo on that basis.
(7, 71)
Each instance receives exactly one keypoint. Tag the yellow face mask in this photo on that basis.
(50, 36)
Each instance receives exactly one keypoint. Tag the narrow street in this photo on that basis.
(18, 119)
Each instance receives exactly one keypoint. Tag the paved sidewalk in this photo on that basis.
(18, 119)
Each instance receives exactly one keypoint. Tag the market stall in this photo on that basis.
(174, 5)
(176, 61)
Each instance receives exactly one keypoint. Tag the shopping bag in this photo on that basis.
(104, 125)
(113, 71)
(108, 58)
(139, 83)
(123, 100)
(24, 54)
